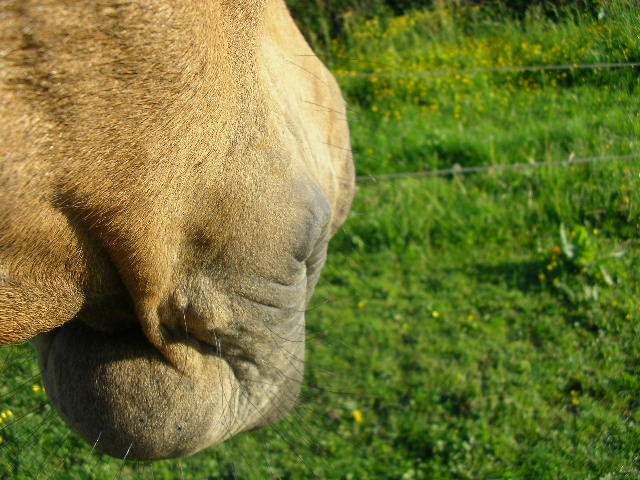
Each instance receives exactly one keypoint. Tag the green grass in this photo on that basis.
(483, 326)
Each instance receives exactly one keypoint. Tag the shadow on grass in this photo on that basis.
(514, 275)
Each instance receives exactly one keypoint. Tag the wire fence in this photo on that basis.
(502, 69)
(459, 170)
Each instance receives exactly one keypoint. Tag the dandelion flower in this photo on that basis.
(36, 388)
(435, 314)
(357, 416)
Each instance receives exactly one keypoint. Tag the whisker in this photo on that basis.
(285, 438)
(61, 460)
(295, 421)
(95, 444)
(20, 385)
(277, 335)
(16, 447)
(327, 109)
(22, 417)
(306, 441)
(227, 426)
(347, 107)
(10, 357)
(308, 71)
(320, 304)
(124, 459)
(346, 149)
(93, 450)
(299, 371)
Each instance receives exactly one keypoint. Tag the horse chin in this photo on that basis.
(124, 398)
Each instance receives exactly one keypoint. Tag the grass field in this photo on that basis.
(466, 326)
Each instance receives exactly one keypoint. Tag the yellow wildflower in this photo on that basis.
(36, 388)
(357, 416)
(574, 397)
(435, 314)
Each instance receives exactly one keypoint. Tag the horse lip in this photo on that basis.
(223, 355)
(71, 376)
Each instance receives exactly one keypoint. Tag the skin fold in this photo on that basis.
(171, 173)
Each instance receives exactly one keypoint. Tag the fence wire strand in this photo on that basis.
(504, 69)
(459, 170)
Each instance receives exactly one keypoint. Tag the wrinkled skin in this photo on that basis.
(171, 173)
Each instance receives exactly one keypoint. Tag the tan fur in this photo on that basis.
(171, 173)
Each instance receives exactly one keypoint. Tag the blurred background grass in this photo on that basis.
(477, 326)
